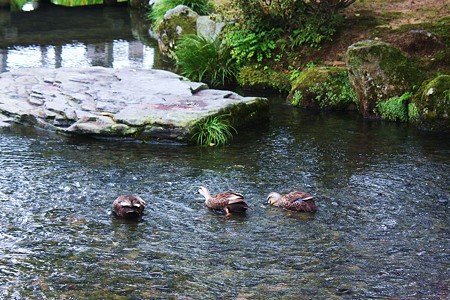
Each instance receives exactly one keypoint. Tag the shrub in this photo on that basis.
(311, 21)
(250, 46)
(205, 59)
(213, 131)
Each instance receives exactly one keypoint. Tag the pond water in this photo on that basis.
(54, 36)
(382, 229)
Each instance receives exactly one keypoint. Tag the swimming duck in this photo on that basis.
(295, 201)
(128, 207)
(227, 201)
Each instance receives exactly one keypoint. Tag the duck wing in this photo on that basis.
(297, 197)
(224, 199)
(299, 201)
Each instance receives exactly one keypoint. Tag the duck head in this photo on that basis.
(203, 190)
(273, 198)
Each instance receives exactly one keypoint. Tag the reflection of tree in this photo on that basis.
(3, 60)
(105, 37)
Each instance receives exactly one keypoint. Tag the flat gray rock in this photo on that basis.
(104, 102)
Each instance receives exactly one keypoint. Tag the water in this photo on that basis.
(382, 229)
(54, 37)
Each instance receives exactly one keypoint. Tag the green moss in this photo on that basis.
(392, 15)
(432, 101)
(259, 77)
(440, 28)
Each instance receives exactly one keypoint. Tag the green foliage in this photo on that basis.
(250, 46)
(396, 108)
(297, 98)
(159, 9)
(205, 59)
(315, 32)
(335, 92)
(306, 23)
(269, 30)
(413, 112)
(213, 131)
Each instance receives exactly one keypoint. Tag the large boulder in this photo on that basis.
(209, 28)
(429, 108)
(119, 103)
(177, 21)
(322, 88)
(378, 71)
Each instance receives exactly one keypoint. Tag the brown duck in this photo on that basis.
(230, 202)
(295, 201)
(128, 207)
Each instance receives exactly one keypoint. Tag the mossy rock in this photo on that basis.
(322, 88)
(258, 78)
(378, 71)
(177, 21)
(430, 105)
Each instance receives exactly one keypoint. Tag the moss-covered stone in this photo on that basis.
(177, 21)
(322, 88)
(378, 71)
(260, 78)
(430, 105)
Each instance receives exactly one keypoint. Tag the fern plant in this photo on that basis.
(395, 108)
(248, 46)
(213, 131)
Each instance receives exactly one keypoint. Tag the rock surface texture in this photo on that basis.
(379, 71)
(177, 21)
(103, 102)
(430, 106)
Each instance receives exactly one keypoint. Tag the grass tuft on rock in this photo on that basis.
(213, 131)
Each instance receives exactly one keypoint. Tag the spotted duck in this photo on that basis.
(128, 207)
(230, 202)
(294, 201)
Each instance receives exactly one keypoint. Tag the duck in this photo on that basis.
(294, 201)
(128, 207)
(230, 202)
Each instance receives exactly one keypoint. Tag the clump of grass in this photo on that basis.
(205, 59)
(213, 131)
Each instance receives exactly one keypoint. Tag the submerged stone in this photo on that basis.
(103, 102)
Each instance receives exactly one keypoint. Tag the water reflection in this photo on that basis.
(108, 37)
(115, 54)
